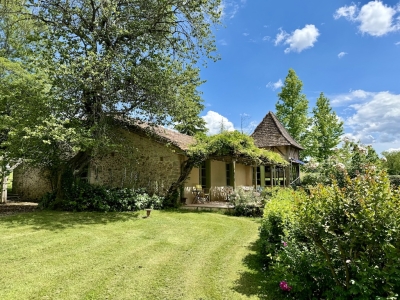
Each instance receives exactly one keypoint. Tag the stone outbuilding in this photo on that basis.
(151, 158)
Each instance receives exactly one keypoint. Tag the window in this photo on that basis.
(258, 175)
(203, 175)
(228, 174)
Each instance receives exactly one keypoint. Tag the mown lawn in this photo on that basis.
(171, 255)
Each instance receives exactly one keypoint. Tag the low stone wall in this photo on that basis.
(29, 183)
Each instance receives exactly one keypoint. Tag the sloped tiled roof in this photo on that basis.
(180, 140)
(270, 132)
(162, 134)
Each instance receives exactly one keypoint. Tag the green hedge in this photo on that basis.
(87, 197)
(335, 243)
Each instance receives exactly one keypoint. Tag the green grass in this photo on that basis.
(171, 255)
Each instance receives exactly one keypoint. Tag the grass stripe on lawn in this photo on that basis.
(171, 255)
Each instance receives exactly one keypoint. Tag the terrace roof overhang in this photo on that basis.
(243, 159)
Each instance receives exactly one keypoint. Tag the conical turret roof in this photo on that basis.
(270, 132)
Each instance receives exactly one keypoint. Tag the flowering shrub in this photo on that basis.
(349, 160)
(284, 286)
(278, 211)
(247, 203)
(342, 242)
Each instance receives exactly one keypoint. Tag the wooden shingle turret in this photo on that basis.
(271, 133)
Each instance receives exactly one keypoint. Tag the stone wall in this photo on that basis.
(30, 183)
(141, 162)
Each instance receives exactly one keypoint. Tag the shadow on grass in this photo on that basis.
(57, 220)
(254, 281)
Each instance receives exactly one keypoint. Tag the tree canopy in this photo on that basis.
(326, 130)
(392, 162)
(133, 58)
(292, 107)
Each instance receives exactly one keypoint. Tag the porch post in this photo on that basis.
(272, 175)
(234, 174)
(288, 175)
(262, 176)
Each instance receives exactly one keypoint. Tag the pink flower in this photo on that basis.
(284, 286)
(284, 244)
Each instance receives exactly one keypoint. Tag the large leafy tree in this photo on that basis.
(24, 99)
(392, 162)
(292, 107)
(22, 89)
(111, 58)
(326, 130)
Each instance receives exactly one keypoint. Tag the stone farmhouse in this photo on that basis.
(152, 158)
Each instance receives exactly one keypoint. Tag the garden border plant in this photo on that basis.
(336, 242)
(82, 196)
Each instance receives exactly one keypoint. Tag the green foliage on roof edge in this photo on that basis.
(234, 144)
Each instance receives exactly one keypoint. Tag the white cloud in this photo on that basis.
(341, 54)
(215, 121)
(347, 12)
(352, 96)
(373, 116)
(267, 38)
(275, 85)
(230, 8)
(281, 36)
(374, 18)
(246, 34)
(223, 42)
(298, 40)
(398, 43)
(302, 38)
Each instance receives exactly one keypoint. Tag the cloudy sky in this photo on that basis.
(348, 50)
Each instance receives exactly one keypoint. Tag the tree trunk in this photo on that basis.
(74, 167)
(173, 192)
(4, 189)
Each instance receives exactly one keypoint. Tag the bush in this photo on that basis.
(86, 197)
(351, 160)
(394, 180)
(247, 203)
(340, 242)
(278, 212)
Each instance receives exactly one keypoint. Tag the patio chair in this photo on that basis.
(205, 195)
(196, 190)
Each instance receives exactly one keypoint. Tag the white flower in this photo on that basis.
(362, 150)
(340, 166)
(383, 158)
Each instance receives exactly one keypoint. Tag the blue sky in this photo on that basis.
(348, 50)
